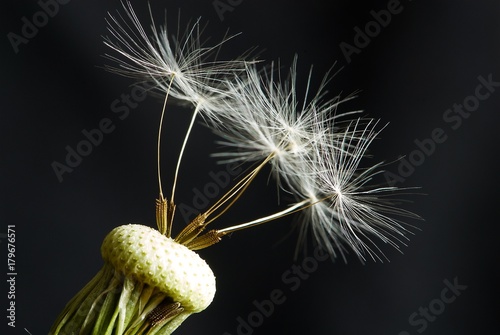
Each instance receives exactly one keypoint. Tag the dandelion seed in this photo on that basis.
(268, 120)
(353, 210)
(182, 65)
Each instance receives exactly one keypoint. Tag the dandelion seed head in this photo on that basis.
(316, 153)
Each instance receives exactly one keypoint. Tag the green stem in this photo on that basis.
(114, 304)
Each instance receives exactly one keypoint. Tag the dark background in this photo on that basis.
(428, 58)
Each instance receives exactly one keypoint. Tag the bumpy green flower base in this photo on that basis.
(143, 271)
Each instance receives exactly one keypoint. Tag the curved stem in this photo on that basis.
(195, 114)
(159, 136)
(236, 191)
(295, 208)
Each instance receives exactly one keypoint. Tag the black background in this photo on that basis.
(428, 58)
